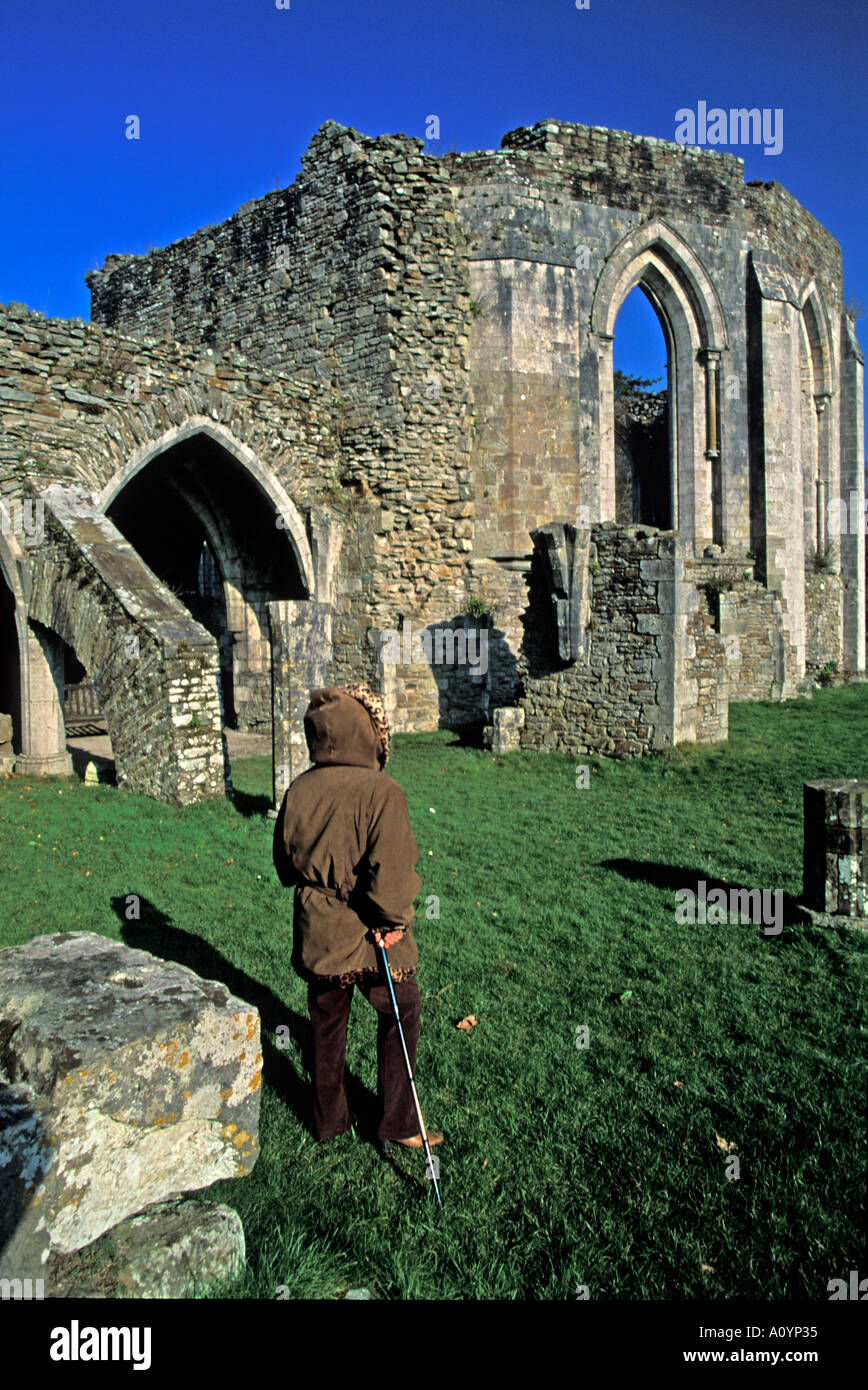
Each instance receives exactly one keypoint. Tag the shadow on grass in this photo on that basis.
(105, 767)
(674, 879)
(250, 804)
(155, 933)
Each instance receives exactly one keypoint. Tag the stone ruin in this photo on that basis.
(835, 874)
(125, 1082)
(382, 399)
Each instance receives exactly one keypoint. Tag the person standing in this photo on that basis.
(343, 840)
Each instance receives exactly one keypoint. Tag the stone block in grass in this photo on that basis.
(124, 1080)
(176, 1249)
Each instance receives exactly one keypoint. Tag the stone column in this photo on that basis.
(853, 482)
(835, 870)
(784, 519)
(821, 401)
(301, 653)
(822, 519)
(43, 732)
(712, 440)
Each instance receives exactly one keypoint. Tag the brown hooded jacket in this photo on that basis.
(343, 840)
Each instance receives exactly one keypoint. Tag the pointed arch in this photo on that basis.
(817, 424)
(659, 245)
(288, 517)
(691, 316)
(819, 335)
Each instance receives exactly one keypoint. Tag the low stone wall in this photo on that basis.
(612, 702)
(651, 668)
(759, 660)
(705, 665)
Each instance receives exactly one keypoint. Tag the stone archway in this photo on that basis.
(691, 317)
(287, 516)
(213, 523)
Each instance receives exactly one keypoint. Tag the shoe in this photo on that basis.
(434, 1137)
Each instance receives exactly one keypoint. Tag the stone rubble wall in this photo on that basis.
(620, 702)
(379, 326)
(823, 622)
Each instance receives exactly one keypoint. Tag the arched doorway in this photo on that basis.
(643, 462)
(205, 527)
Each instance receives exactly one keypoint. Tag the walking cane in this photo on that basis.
(422, 1128)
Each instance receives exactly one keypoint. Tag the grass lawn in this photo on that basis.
(603, 1166)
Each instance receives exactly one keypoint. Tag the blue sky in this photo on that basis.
(230, 92)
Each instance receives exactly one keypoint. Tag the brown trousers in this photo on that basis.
(329, 1007)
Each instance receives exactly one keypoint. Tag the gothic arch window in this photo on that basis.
(821, 503)
(643, 456)
(691, 317)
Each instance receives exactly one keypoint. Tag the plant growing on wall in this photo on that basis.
(477, 608)
(827, 675)
(822, 561)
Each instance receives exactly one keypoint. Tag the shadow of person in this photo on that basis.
(155, 932)
(249, 804)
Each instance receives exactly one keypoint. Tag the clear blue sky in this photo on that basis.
(230, 92)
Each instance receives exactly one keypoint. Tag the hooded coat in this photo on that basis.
(343, 840)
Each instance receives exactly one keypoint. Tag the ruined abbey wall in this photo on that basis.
(369, 390)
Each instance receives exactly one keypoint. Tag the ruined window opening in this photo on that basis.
(821, 544)
(643, 450)
(82, 706)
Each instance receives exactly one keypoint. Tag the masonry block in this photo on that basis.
(835, 876)
(124, 1080)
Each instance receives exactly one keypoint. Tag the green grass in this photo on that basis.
(561, 1167)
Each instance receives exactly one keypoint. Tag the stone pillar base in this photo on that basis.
(55, 765)
(835, 880)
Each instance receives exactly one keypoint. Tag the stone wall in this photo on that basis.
(379, 324)
(467, 283)
(759, 661)
(823, 622)
(424, 345)
(643, 646)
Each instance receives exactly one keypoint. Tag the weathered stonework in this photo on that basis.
(124, 1080)
(836, 848)
(651, 674)
(423, 347)
(175, 1249)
